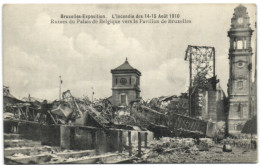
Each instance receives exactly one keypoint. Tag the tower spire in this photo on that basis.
(240, 57)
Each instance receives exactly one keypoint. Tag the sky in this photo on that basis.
(36, 52)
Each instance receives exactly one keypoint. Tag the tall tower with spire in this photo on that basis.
(240, 70)
(125, 84)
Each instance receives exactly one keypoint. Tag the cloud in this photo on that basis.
(26, 73)
(168, 79)
(37, 52)
(83, 61)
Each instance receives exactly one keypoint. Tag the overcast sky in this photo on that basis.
(37, 52)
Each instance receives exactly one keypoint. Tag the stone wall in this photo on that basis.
(77, 137)
(212, 105)
(50, 135)
(235, 126)
(131, 95)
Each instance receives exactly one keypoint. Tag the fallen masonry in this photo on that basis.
(87, 145)
(75, 130)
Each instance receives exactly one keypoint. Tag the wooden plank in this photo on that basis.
(120, 141)
(145, 139)
(139, 144)
(95, 141)
(130, 143)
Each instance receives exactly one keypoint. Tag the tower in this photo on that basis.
(240, 70)
(125, 84)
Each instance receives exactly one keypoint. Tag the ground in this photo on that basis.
(214, 155)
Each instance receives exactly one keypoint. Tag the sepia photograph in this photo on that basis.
(129, 83)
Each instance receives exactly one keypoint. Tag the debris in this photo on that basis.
(8, 115)
(20, 155)
(62, 110)
(227, 148)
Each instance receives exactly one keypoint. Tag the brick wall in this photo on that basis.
(131, 95)
(212, 105)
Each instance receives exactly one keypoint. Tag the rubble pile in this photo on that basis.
(76, 111)
(166, 104)
(22, 111)
(205, 144)
(125, 120)
(188, 150)
(106, 109)
(66, 111)
(170, 150)
(241, 142)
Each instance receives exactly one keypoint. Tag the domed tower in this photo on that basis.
(125, 84)
(240, 69)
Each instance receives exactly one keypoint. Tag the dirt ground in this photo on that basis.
(214, 155)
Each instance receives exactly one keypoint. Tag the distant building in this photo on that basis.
(240, 72)
(125, 84)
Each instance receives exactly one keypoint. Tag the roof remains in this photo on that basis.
(126, 67)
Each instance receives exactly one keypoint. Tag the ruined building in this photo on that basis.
(206, 98)
(125, 84)
(213, 102)
(240, 70)
(208, 103)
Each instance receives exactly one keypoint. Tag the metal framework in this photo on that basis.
(201, 59)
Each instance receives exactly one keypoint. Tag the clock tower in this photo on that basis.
(240, 70)
(125, 84)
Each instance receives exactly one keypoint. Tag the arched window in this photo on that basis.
(239, 44)
(123, 99)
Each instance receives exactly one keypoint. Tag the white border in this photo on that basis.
(107, 1)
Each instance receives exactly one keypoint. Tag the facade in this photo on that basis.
(240, 70)
(211, 101)
(125, 84)
(254, 98)
(254, 90)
